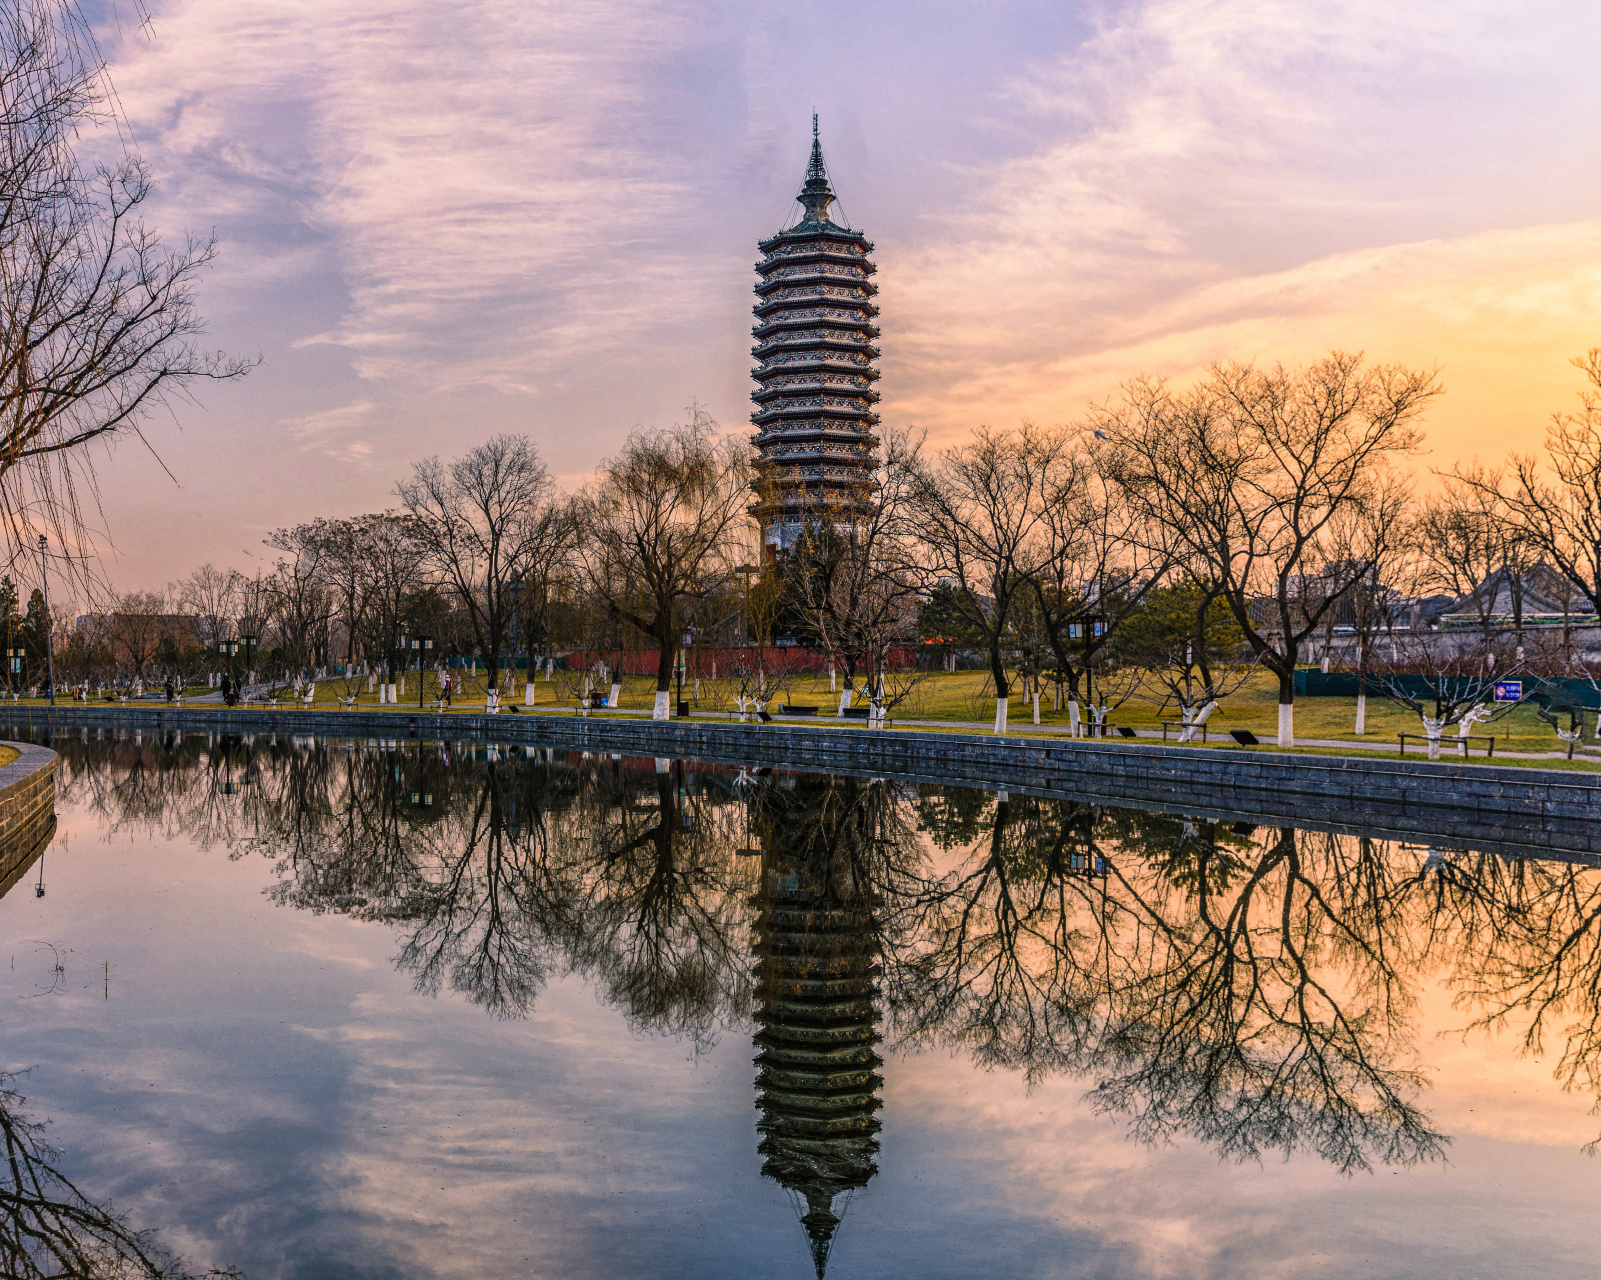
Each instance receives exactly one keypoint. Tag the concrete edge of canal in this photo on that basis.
(1552, 812)
(27, 810)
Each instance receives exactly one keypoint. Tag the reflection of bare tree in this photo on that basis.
(1246, 997)
(1250, 989)
(1526, 937)
(49, 1230)
(661, 918)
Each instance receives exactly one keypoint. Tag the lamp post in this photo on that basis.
(1091, 627)
(514, 590)
(688, 640)
(228, 648)
(49, 646)
(421, 645)
(248, 638)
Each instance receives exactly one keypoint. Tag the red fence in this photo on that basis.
(705, 659)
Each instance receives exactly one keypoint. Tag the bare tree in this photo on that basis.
(212, 596)
(138, 626)
(1255, 471)
(302, 603)
(853, 577)
(482, 522)
(1103, 558)
(98, 323)
(1555, 505)
(660, 526)
(980, 514)
(388, 558)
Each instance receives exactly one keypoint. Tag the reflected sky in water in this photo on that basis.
(418, 1012)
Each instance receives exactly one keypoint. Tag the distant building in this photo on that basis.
(814, 331)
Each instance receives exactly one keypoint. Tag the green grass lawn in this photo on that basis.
(962, 699)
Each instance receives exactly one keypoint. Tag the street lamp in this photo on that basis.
(49, 647)
(688, 640)
(421, 645)
(248, 639)
(1089, 628)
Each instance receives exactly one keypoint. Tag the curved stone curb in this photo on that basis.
(27, 810)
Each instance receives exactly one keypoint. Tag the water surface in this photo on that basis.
(329, 1009)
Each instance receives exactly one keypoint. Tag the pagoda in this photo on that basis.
(814, 332)
(817, 992)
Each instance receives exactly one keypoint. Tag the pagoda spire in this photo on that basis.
(816, 195)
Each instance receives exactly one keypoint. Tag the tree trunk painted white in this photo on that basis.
(660, 713)
(1000, 715)
(663, 765)
(550, 666)
(1286, 724)
(1432, 729)
(528, 694)
(844, 702)
(1195, 720)
(615, 698)
(831, 687)
(1325, 664)
(1361, 713)
(1072, 717)
(1036, 704)
(697, 688)
(402, 685)
(1001, 797)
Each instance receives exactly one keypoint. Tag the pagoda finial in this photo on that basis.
(816, 194)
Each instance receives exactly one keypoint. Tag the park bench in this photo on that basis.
(791, 709)
(1180, 726)
(1453, 740)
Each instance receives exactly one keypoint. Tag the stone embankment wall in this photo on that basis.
(1451, 804)
(27, 811)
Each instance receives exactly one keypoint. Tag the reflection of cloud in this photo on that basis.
(1176, 1211)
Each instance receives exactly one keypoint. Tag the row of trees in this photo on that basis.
(1171, 543)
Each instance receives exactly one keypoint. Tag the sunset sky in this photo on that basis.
(443, 220)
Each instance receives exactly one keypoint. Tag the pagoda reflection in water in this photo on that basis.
(817, 985)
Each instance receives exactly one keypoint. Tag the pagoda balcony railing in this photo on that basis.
(851, 271)
(799, 412)
(852, 362)
(801, 453)
(808, 279)
(821, 380)
(854, 427)
(798, 325)
(807, 384)
(785, 299)
(846, 432)
(816, 236)
(851, 252)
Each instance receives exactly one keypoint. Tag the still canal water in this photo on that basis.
(319, 1009)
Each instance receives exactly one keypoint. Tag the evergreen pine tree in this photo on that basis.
(35, 636)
